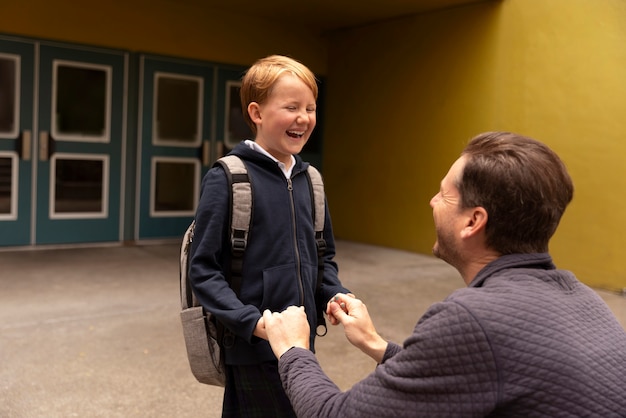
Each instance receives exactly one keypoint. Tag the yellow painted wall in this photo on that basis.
(164, 27)
(566, 85)
(405, 96)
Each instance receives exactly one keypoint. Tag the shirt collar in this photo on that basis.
(283, 168)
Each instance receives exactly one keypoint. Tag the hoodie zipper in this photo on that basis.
(295, 241)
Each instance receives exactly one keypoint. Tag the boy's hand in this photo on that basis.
(259, 331)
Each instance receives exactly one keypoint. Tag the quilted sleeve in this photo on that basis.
(446, 368)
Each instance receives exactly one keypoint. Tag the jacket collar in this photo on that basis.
(541, 261)
(248, 154)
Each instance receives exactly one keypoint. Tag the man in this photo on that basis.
(522, 339)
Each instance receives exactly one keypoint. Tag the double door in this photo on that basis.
(190, 116)
(62, 131)
(83, 161)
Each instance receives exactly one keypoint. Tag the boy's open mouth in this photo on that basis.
(295, 134)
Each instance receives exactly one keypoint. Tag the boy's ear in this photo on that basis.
(254, 111)
(475, 223)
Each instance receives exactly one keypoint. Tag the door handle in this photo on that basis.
(43, 146)
(206, 153)
(46, 146)
(23, 145)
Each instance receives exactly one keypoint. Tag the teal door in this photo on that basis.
(80, 143)
(62, 130)
(176, 145)
(16, 141)
(231, 125)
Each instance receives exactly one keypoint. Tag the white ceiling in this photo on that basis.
(323, 16)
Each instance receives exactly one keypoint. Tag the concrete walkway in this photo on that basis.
(95, 332)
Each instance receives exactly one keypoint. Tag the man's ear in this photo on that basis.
(475, 223)
(254, 111)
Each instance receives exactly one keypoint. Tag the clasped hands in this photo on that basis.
(290, 327)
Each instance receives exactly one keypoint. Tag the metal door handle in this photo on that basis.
(43, 145)
(206, 153)
(23, 146)
(46, 146)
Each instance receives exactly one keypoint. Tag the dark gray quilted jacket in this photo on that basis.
(522, 340)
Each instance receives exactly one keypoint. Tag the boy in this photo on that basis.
(278, 97)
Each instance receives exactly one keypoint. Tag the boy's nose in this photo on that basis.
(303, 117)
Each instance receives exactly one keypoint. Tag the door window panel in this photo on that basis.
(9, 82)
(79, 186)
(81, 102)
(236, 127)
(177, 110)
(8, 186)
(175, 186)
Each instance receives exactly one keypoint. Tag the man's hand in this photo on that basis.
(329, 313)
(358, 326)
(287, 329)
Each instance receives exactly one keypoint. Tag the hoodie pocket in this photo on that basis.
(280, 288)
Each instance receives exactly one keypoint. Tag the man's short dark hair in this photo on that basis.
(522, 184)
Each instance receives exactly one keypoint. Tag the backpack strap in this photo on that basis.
(316, 184)
(240, 214)
(188, 298)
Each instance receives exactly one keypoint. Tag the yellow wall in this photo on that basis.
(405, 96)
(567, 86)
(164, 27)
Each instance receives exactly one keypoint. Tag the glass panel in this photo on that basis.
(78, 186)
(81, 101)
(236, 127)
(6, 184)
(7, 95)
(178, 109)
(175, 184)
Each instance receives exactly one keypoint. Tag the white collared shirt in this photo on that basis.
(283, 167)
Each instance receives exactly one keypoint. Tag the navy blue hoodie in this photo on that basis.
(280, 262)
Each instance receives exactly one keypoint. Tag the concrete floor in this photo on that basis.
(95, 332)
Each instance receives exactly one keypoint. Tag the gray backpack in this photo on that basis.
(203, 334)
